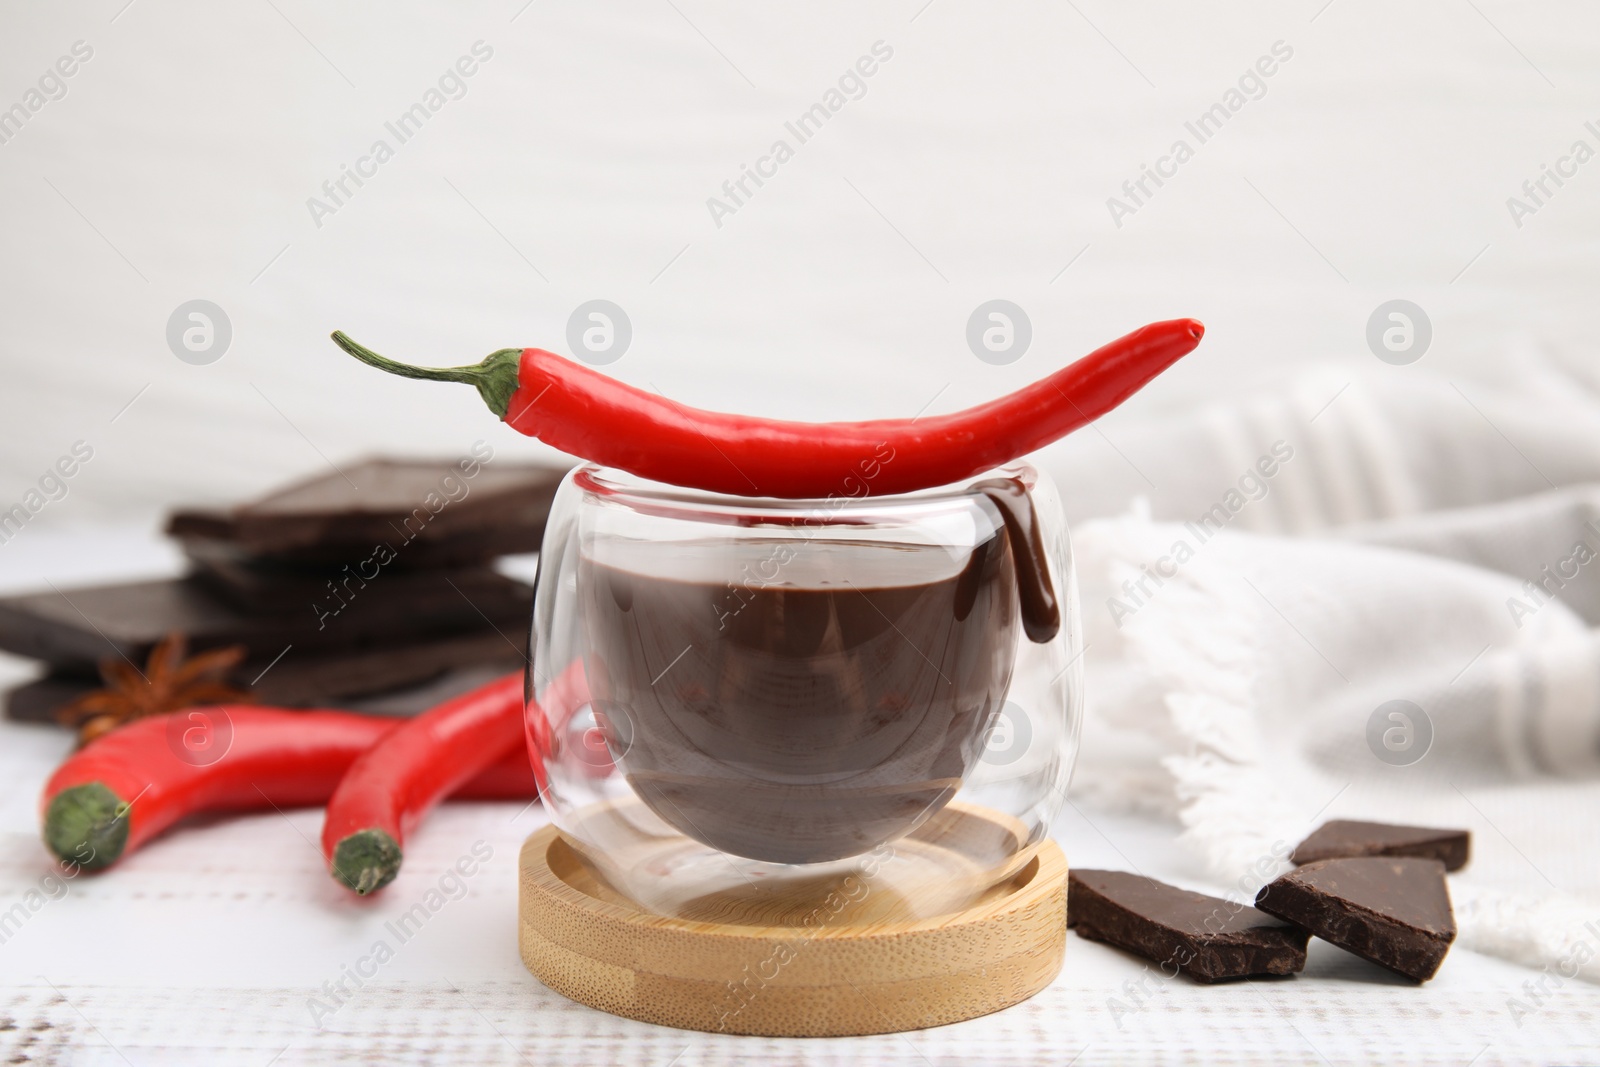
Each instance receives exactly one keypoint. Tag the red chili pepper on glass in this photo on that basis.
(585, 414)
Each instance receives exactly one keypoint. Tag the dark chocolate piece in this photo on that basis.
(1344, 838)
(474, 549)
(265, 589)
(77, 628)
(1394, 911)
(331, 679)
(401, 503)
(382, 679)
(1207, 938)
(38, 700)
(415, 699)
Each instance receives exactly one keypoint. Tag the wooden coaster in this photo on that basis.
(826, 979)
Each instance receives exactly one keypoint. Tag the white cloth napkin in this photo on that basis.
(1278, 574)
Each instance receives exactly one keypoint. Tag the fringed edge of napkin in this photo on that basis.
(1235, 820)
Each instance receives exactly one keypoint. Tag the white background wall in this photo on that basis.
(578, 164)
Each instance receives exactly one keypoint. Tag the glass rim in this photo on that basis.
(665, 500)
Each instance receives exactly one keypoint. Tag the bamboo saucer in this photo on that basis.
(805, 963)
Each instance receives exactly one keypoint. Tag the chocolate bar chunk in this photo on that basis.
(1207, 938)
(334, 680)
(79, 627)
(265, 589)
(1394, 911)
(417, 698)
(383, 501)
(473, 549)
(38, 700)
(1343, 838)
(329, 679)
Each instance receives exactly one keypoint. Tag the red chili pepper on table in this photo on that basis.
(389, 789)
(126, 787)
(391, 786)
(508, 778)
(585, 414)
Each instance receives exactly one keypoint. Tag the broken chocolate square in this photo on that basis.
(262, 589)
(77, 628)
(1394, 911)
(395, 502)
(1207, 938)
(1344, 838)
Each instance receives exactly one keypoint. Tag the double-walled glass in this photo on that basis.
(738, 701)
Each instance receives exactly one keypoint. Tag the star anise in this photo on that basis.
(169, 682)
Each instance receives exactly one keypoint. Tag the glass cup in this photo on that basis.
(736, 705)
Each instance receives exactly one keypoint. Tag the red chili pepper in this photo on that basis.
(508, 778)
(586, 414)
(387, 791)
(131, 784)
